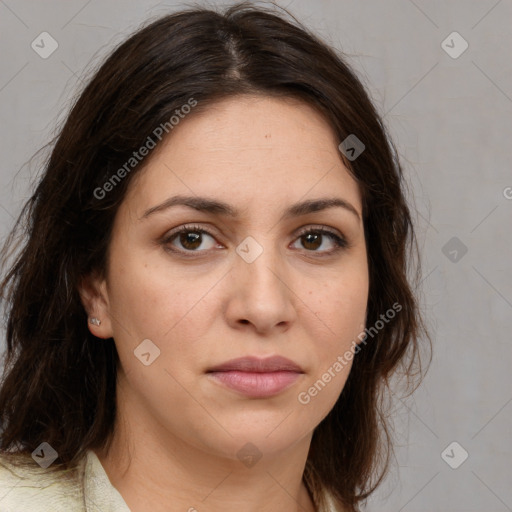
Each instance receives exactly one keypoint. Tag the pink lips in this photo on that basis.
(257, 378)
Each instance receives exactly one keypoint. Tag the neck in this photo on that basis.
(156, 471)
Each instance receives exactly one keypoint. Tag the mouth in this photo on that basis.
(255, 377)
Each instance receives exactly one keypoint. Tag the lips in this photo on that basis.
(257, 365)
(255, 377)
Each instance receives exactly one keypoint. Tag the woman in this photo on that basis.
(213, 294)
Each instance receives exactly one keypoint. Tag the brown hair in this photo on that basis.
(59, 382)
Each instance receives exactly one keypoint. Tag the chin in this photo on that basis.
(258, 438)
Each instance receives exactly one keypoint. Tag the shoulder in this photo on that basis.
(24, 485)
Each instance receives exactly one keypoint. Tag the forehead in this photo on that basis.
(248, 147)
(257, 123)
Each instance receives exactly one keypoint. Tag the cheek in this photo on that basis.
(340, 310)
(341, 307)
(149, 301)
(147, 297)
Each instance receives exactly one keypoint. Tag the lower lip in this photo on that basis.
(257, 385)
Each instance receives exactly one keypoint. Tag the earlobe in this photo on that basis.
(94, 297)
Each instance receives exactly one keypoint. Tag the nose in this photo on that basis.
(261, 292)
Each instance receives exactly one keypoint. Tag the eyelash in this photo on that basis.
(341, 242)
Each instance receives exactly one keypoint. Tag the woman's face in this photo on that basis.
(259, 283)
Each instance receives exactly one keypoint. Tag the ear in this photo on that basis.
(94, 296)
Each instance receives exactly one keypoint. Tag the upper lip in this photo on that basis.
(258, 365)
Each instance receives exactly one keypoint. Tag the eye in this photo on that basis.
(191, 239)
(312, 239)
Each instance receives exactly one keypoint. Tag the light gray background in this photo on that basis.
(451, 119)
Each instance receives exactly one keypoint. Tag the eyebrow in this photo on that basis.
(215, 207)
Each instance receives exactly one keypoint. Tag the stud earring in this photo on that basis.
(95, 321)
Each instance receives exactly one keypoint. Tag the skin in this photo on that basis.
(181, 429)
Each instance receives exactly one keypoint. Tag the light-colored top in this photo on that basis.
(35, 489)
(86, 489)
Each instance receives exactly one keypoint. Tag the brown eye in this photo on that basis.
(313, 239)
(190, 238)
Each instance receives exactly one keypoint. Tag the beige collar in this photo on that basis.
(99, 494)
